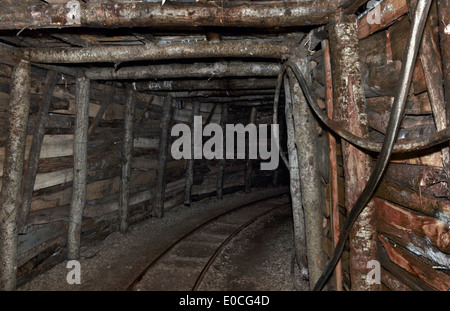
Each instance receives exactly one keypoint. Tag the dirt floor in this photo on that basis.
(113, 263)
(259, 259)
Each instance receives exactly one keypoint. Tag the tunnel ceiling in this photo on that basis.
(249, 79)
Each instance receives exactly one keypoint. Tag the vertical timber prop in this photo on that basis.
(222, 162)
(35, 150)
(306, 137)
(190, 162)
(79, 192)
(295, 188)
(127, 158)
(19, 107)
(444, 35)
(431, 62)
(248, 172)
(349, 108)
(333, 161)
(166, 118)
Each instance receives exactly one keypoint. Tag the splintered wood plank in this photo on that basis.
(433, 159)
(411, 263)
(415, 201)
(390, 11)
(435, 231)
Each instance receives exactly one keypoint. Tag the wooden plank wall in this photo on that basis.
(413, 211)
(44, 243)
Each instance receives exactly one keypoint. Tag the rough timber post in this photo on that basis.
(249, 168)
(349, 101)
(166, 117)
(35, 150)
(312, 195)
(190, 162)
(335, 218)
(444, 34)
(127, 157)
(295, 188)
(79, 192)
(222, 162)
(19, 105)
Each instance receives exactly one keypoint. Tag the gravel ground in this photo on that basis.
(258, 259)
(113, 263)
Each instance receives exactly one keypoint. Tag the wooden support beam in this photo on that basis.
(249, 168)
(79, 192)
(197, 85)
(222, 162)
(168, 51)
(389, 12)
(19, 105)
(262, 14)
(195, 70)
(127, 156)
(431, 62)
(101, 112)
(166, 118)
(444, 35)
(190, 162)
(335, 214)
(349, 108)
(35, 149)
(211, 114)
(295, 188)
(313, 198)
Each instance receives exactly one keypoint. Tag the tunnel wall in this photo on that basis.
(43, 243)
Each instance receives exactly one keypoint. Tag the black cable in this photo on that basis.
(410, 56)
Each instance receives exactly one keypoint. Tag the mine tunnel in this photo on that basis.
(224, 145)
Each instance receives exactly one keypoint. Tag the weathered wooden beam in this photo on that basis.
(313, 198)
(335, 214)
(431, 62)
(295, 188)
(168, 51)
(196, 85)
(127, 156)
(190, 162)
(236, 94)
(101, 112)
(389, 12)
(19, 105)
(444, 35)
(222, 162)
(249, 168)
(147, 14)
(166, 117)
(35, 150)
(349, 108)
(79, 192)
(196, 70)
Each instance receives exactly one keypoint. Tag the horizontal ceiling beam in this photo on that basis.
(174, 15)
(236, 95)
(167, 51)
(191, 85)
(196, 70)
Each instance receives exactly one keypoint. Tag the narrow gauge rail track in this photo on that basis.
(183, 264)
